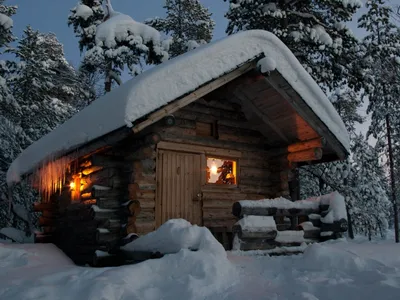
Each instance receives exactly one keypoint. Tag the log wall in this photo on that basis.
(94, 216)
(258, 178)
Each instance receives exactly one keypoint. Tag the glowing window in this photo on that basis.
(221, 171)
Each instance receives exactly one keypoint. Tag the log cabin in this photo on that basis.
(186, 139)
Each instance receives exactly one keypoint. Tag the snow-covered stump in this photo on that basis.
(257, 229)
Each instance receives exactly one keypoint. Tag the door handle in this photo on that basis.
(198, 197)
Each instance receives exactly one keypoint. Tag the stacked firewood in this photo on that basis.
(276, 229)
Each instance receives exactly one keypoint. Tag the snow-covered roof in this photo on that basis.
(163, 84)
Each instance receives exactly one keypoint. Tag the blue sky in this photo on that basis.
(51, 16)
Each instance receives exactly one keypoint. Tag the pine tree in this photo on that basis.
(84, 18)
(122, 42)
(6, 23)
(41, 83)
(188, 23)
(314, 31)
(381, 63)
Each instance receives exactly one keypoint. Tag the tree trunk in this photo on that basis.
(392, 181)
(350, 224)
(108, 80)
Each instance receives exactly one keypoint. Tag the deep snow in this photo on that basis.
(336, 270)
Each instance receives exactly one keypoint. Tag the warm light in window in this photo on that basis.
(214, 168)
(221, 171)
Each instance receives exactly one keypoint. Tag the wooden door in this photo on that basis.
(178, 187)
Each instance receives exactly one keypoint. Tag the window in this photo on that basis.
(221, 171)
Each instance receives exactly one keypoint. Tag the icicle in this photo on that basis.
(51, 177)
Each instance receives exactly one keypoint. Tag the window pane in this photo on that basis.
(221, 171)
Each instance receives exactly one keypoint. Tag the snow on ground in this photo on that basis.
(335, 270)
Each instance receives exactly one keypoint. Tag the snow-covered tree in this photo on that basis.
(6, 23)
(381, 64)
(42, 83)
(84, 18)
(187, 22)
(122, 42)
(314, 30)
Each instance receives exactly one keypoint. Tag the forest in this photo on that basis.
(40, 89)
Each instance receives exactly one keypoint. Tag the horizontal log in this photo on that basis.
(147, 203)
(337, 226)
(300, 146)
(254, 244)
(136, 192)
(221, 204)
(305, 155)
(147, 214)
(38, 207)
(104, 214)
(103, 192)
(247, 172)
(104, 236)
(206, 141)
(239, 211)
(89, 170)
(267, 192)
(215, 213)
(224, 194)
(245, 234)
(223, 223)
(305, 145)
(256, 182)
(144, 227)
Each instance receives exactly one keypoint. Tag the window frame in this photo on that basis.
(224, 186)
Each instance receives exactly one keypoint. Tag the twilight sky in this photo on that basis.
(51, 15)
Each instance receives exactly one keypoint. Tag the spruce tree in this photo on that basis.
(122, 42)
(84, 18)
(41, 83)
(6, 23)
(188, 23)
(314, 31)
(381, 62)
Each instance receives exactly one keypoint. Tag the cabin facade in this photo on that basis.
(237, 136)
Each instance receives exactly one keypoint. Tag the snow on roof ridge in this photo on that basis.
(164, 83)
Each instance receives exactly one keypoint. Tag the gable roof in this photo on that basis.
(172, 80)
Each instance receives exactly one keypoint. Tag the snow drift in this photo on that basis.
(175, 235)
(337, 270)
(43, 272)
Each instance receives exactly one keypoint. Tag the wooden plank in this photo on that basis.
(199, 149)
(200, 92)
(283, 87)
(209, 142)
